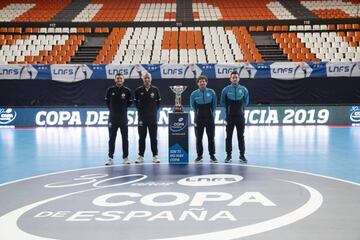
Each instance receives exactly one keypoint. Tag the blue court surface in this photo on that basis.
(324, 150)
(302, 182)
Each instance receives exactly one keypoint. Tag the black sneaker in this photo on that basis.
(213, 159)
(243, 159)
(199, 159)
(228, 158)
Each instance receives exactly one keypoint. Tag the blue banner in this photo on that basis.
(254, 115)
(276, 70)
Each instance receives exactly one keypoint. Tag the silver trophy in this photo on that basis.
(178, 90)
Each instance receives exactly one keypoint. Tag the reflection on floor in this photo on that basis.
(323, 150)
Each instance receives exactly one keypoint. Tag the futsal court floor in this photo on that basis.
(300, 182)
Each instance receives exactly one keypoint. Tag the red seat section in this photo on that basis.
(35, 10)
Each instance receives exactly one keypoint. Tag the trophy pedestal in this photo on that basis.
(178, 138)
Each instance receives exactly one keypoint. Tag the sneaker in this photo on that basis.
(139, 159)
(228, 158)
(156, 159)
(109, 162)
(126, 161)
(213, 159)
(199, 159)
(243, 159)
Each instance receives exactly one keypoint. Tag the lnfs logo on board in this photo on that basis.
(355, 114)
(135, 71)
(245, 70)
(7, 115)
(180, 71)
(70, 73)
(26, 71)
(193, 201)
(338, 69)
(179, 125)
(290, 70)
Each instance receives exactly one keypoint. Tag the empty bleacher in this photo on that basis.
(180, 45)
(144, 32)
(333, 8)
(41, 49)
(172, 10)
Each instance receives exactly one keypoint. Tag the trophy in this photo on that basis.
(178, 90)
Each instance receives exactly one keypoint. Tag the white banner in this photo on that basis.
(69, 72)
(246, 70)
(180, 71)
(290, 70)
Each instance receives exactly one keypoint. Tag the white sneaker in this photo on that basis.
(126, 161)
(156, 159)
(139, 159)
(109, 162)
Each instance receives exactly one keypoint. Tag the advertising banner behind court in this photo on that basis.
(254, 115)
(276, 70)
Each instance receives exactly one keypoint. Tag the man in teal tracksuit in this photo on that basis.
(234, 98)
(203, 101)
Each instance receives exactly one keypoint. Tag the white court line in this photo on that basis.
(245, 165)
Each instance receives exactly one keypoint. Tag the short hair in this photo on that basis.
(201, 77)
(234, 72)
(146, 73)
(119, 74)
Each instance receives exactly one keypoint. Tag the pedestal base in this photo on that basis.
(178, 138)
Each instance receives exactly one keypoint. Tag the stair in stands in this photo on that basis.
(297, 9)
(269, 50)
(272, 53)
(184, 10)
(87, 52)
(71, 11)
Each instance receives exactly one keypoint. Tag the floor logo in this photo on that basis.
(173, 202)
(210, 180)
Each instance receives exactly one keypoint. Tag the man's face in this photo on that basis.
(234, 78)
(202, 83)
(147, 79)
(119, 80)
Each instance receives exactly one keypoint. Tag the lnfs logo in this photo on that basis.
(343, 69)
(7, 115)
(355, 114)
(71, 73)
(289, 71)
(178, 125)
(180, 71)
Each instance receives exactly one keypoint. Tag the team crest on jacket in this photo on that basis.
(152, 95)
(123, 95)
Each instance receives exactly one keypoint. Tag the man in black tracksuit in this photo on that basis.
(118, 99)
(234, 98)
(147, 100)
